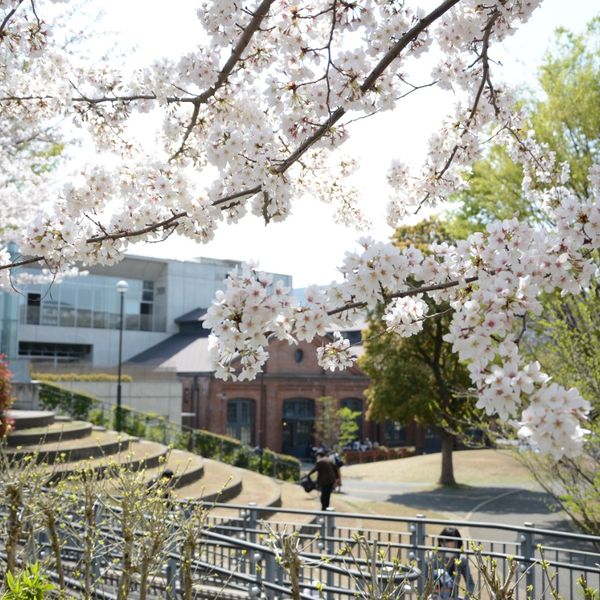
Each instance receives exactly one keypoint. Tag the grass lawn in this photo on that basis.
(471, 467)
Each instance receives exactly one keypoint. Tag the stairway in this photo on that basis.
(69, 446)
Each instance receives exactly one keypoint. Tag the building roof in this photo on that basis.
(191, 316)
(184, 352)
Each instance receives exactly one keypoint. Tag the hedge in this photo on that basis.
(75, 404)
(80, 377)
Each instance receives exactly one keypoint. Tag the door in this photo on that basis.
(297, 425)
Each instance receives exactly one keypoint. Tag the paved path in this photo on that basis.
(489, 504)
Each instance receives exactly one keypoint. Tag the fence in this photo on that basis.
(342, 554)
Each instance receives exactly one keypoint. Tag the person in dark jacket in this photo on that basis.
(327, 476)
(450, 567)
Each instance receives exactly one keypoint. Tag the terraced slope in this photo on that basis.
(72, 446)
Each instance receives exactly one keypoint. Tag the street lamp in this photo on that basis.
(121, 289)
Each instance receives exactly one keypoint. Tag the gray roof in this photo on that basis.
(183, 352)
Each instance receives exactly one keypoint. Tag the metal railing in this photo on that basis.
(237, 552)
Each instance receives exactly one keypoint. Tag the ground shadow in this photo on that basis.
(486, 500)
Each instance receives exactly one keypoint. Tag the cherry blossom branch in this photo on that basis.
(412, 292)
(230, 200)
(485, 82)
(8, 17)
(170, 222)
(236, 54)
(21, 263)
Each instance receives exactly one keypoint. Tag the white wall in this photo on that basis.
(105, 342)
(161, 396)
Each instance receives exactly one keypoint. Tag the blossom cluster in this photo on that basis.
(263, 101)
(492, 280)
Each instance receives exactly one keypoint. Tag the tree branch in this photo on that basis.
(8, 17)
(404, 294)
(236, 54)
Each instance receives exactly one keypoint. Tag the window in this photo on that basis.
(299, 355)
(395, 433)
(240, 420)
(56, 353)
(299, 409)
(297, 426)
(91, 301)
(33, 309)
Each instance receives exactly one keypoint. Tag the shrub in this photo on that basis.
(75, 404)
(29, 584)
(80, 377)
(6, 398)
(213, 445)
(281, 466)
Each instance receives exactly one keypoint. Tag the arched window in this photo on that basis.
(355, 404)
(241, 420)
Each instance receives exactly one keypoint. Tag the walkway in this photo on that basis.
(495, 488)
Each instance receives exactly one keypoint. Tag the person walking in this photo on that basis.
(327, 476)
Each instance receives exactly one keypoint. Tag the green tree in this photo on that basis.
(566, 117)
(334, 426)
(566, 342)
(419, 378)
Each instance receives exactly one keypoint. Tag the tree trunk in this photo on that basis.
(447, 474)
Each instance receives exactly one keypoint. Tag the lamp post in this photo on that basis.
(121, 289)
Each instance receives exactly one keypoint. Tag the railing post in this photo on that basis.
(171, 576)
(252, 521)
(271, 573)
(527, 551)
(417, 541)
(330, 545)
(256, 560)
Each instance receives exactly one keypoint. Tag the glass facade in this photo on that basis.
(90, 301)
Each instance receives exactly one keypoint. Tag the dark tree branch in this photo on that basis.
(404, 294)
(8, 17)
(236, 54)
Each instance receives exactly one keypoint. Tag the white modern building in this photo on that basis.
(78, 319)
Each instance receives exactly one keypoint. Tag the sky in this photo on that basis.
(309, 245)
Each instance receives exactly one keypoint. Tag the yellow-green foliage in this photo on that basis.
(79, 377)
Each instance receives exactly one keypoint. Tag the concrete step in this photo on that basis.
(219, 483)
(97, 444)
(187, 468)
(259, 489)
(25, 419)
(59, 430)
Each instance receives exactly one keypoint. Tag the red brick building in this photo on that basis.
(278, 409)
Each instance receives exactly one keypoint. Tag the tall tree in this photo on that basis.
(419, 378)
(564, 115)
